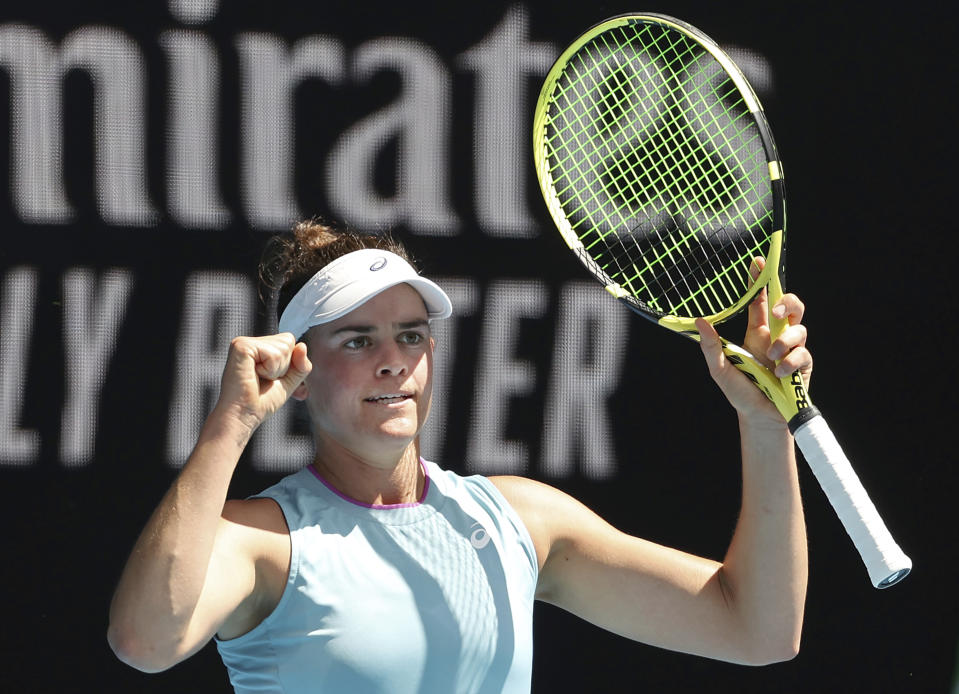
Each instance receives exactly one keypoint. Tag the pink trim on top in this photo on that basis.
(426, 488)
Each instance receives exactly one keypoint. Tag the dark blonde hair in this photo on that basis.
(290, 260)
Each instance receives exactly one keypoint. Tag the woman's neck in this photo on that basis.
(382, 483)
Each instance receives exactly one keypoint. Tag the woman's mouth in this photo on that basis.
(389, 398)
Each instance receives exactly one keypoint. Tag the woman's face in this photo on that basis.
(371, 383)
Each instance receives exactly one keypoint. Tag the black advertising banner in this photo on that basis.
(152, 148)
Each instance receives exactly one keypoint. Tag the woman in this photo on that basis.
(373, 570)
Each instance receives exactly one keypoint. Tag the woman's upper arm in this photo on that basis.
(624, 584)
(237, 585)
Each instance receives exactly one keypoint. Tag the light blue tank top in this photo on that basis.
(433, 597)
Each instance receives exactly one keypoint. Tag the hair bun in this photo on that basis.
(312, 235)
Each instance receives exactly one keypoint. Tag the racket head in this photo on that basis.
(659, 169)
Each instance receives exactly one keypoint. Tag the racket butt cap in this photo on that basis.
(894, 578)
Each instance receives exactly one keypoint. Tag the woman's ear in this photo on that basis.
(301, 392)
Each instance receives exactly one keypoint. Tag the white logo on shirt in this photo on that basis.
(479, 538)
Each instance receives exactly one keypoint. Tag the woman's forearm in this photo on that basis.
(765, 568)
(164, 576)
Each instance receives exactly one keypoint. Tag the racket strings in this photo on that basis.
(694, 263)
(656, 153)
(669, 196)
(656, 160)
(680, 164)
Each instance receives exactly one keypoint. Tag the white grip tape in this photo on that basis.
(884, 560)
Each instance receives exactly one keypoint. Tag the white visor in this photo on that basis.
(352, 280)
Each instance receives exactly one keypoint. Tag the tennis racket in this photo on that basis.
(661, 174)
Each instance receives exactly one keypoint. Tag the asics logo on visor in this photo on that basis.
(378, 265)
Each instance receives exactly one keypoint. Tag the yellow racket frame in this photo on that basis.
(788, 394)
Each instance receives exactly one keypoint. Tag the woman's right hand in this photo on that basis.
(260, 375)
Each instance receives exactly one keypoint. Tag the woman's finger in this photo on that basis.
(791, 308)
(792, 337)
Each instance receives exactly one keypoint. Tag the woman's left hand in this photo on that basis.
(784, 355)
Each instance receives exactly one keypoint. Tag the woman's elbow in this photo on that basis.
(773, 651)
(136, 652)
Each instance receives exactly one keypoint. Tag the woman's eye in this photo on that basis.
(357, 342)
(412, 338)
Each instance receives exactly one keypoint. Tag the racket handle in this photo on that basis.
(886, 563)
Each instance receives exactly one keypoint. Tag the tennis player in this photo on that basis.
(373, 570)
